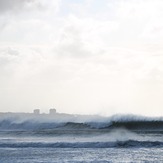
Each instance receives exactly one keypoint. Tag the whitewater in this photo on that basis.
(44, 138)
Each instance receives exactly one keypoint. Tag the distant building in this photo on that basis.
(36, 111)
(52, 111)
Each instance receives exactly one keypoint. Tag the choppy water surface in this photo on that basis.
(53, 155)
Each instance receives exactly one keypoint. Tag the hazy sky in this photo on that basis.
(82, 56)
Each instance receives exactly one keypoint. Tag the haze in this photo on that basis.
(82, 56)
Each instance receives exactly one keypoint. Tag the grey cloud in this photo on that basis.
(17, 5)
(8, 51)
(8, 56)
(13, 52)
(8, 5)
(72, 44)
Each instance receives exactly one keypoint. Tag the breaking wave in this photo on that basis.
(74, 122)
(76, 131)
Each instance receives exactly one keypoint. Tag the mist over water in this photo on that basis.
(30, 121)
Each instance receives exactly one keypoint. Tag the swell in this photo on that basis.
(130, 125)
(117, 144)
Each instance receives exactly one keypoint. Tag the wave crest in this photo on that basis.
(43, 122)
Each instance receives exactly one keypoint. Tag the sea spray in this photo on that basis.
(28, 121)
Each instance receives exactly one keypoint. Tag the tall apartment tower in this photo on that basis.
(52, 111)
(36, 111)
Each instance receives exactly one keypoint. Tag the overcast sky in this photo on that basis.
(82, 56)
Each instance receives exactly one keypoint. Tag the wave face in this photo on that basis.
(130, 125)
(76, 122)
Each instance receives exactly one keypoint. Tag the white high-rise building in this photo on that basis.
(36, 111)
(52, 111)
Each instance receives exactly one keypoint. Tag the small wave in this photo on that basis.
(118, 144)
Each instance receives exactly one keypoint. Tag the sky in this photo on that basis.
(82, 56)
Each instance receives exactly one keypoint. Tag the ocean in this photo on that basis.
(27, 138)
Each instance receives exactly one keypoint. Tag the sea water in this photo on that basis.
(48, 141)
(53, 155)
